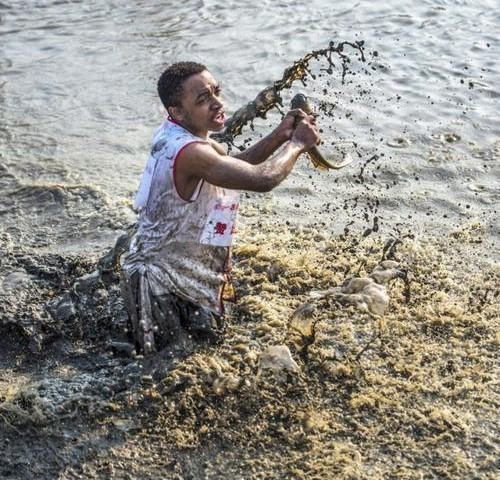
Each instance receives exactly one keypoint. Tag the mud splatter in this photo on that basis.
(270, 97)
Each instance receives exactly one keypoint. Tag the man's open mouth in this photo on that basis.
(220, 118)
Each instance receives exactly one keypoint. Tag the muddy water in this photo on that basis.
(78, 102)
(420, 117)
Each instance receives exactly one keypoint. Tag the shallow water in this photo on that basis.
(78, 102)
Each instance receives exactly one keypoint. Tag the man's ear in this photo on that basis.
(175, 113)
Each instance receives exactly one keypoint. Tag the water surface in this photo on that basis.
(78, 104)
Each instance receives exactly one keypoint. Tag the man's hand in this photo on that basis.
(306, 135)
(284, 131)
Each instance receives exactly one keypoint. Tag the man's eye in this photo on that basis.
(217, 91)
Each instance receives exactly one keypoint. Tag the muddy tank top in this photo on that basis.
(181, 246)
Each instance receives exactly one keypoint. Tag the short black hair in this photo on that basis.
(171, 80)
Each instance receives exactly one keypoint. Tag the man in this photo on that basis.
(177, 265)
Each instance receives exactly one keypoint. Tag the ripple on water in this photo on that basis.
(399, 142)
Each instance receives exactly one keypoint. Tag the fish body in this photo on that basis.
(317, 158)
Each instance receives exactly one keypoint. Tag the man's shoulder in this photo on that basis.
(202, 150)
(169, 138)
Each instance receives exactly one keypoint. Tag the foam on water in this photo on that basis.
(344, 347)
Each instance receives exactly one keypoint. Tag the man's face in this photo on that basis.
(201, 109)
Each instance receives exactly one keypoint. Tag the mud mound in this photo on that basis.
(50, 296)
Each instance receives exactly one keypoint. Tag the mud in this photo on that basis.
(304, 384)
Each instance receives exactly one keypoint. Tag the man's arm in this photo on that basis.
(223, 171)
(257, 153)
(200, 160)
(264, 148)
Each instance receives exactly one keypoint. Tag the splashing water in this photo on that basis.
(270, 97)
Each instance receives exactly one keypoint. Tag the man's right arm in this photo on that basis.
(201, 161)
(225, 171)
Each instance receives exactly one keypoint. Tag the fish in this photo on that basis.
(317, 158)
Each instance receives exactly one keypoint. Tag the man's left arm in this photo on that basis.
(265, 147)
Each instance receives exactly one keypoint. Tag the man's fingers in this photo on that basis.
(309, 119)
(297, 113)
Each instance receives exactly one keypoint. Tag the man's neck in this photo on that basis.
(203, 135)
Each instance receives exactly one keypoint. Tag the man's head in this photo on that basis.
(171, 80)
(192, 97)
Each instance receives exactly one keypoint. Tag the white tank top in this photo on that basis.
(181, 246)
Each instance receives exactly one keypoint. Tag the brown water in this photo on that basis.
(407, 394)
(78, 101)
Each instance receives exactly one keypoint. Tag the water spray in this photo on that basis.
(270, 97)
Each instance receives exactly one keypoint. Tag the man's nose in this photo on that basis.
(217, 102)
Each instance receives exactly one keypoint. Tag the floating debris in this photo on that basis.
(277, 359)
